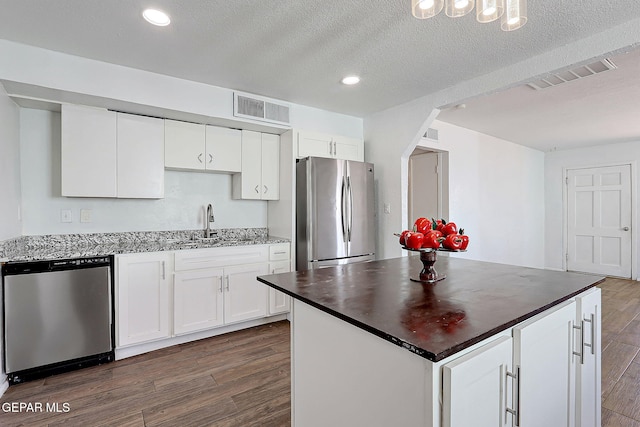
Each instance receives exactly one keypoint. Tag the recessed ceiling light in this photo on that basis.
(351, 80)
(156, 17)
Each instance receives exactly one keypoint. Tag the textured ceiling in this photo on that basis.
(299, 50)
(599, 109)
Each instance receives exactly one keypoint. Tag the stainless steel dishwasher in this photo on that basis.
(58, 316)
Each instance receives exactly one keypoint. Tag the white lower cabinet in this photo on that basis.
(544, 375)
(245, 298)
(279, 302)
(143, 297)
(198, 300)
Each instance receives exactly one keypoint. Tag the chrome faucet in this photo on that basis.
(208, 233)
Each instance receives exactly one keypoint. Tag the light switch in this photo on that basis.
(85, 215)
(387, 208)
(65, 215)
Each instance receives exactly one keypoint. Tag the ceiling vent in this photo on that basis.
(431, 134)
(259, 108)
(574, 74)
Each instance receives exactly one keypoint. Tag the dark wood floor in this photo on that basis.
(237, 379)
(243, 379)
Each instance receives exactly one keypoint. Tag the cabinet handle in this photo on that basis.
(516, 391)
(221, 278)
(580, 353)
(265, 189)
(591, 345)
(163, 271)
(210, 158)
(257, 191)
(200, 157)
(227, 283)
(280, 253)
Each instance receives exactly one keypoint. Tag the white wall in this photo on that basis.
(555, 163)
(10, 224)
(496, 193)
(392, 134)
(186, 193)
(57, 76)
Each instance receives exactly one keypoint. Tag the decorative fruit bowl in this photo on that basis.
(428, 237)
(428, 257)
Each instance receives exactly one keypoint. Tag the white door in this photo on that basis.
(588, 383)
(599, 220)
(475, 389)
(198, 300)
(245, 298)
(543, 350)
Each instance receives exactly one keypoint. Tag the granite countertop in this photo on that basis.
(47, 247)
(475, 301)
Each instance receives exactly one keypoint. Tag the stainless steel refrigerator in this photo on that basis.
(335, 212)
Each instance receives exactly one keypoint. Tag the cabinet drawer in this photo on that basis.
(192, 259)
(279, 252)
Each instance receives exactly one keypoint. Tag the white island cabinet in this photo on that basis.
(491, 345)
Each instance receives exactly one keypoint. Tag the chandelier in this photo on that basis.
(512, 13)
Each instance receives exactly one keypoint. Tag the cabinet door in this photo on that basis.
(184, 145)
(198, 300)
(543, 348)
(312, 144)
(88, 152)
(270, 166)
(245, 298)
(588, 384)
(475, 389)
(279, 302)
(348, 148)
(140, 153)
(143, 298)
(223, 149)
(248, 184)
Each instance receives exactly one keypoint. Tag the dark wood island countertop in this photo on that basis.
(475, 301)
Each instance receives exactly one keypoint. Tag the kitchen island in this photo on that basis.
(492, 344)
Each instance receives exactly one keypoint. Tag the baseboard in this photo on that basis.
(136, 349)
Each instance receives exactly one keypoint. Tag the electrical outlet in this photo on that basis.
(387, 208)
(85, 215)
(65, 215)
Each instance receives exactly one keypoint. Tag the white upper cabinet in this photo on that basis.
(202, 147)
(108, 154)
(140, 165)
(313, 144)
(259, 179)
(88, 152)
(223, 149)
(184, 145)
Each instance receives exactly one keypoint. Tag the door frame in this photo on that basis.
(634, 198)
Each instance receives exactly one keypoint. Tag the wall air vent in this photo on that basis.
(260, 108)
(431, 134)
(574, 74)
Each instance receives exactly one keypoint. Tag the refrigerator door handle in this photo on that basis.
(342, 211)
(350, 223)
